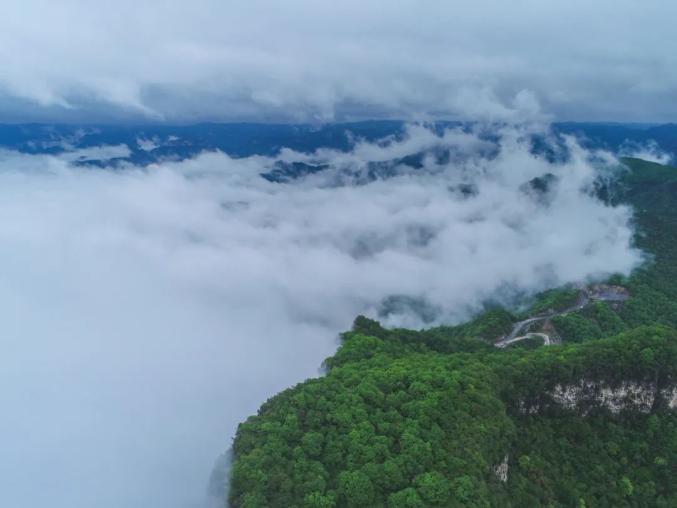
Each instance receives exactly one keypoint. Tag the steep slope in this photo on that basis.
(386, 428)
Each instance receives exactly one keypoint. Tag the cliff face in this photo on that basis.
(587, 394)
(501, 470)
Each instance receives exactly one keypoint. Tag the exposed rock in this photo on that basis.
(669, 395)
(608, 293)
(633, 395)
(530, 409)
(587, 394)
(501, 470)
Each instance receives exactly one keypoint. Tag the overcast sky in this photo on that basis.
(310, 60)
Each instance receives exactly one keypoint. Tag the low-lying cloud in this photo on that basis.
(649, 151)
(146, 311)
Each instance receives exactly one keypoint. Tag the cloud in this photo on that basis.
(146, 311)
(97, 153)
(317, 61)
(148, 145)
(649, 151)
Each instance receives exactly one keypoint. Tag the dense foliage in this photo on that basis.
(421, 418)
(399, 429)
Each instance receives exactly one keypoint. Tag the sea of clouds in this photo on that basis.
(146, 311)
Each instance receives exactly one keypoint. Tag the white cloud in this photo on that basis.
(148, 145)
(649, 151)
(97, 153)
(147, 312)
(318, 60)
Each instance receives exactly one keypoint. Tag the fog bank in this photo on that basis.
(146, 311)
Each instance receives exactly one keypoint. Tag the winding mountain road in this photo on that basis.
(582, 301)
(544, 336)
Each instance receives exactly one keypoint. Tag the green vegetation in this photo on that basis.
(530, 343)
(553, 300)
(398, 429)
(596, 321)
(652, 190)
(408, 418)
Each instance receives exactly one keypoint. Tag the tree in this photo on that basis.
(356, 488)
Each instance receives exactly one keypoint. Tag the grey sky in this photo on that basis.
(313, 60)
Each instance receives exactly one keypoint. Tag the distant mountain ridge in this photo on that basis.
(146, 144)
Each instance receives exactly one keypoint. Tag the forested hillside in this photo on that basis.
(443, 418)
